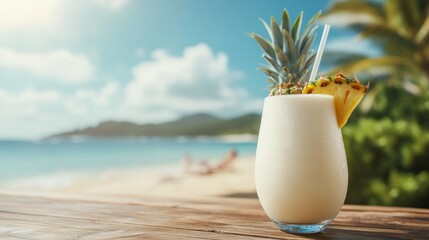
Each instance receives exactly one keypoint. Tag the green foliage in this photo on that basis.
(387, 142)
(399, 28)
(388, 158)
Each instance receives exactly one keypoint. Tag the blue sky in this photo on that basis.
(71, 64)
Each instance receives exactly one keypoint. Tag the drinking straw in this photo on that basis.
(320, 52)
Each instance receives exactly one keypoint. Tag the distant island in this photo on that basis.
(193, 125)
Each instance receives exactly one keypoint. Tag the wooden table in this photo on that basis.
(60, 217)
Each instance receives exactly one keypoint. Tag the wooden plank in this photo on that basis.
(103, 217)
(131, 214)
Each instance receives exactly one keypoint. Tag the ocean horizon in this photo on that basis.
(20, 159)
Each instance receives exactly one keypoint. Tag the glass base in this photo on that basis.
(302, 228)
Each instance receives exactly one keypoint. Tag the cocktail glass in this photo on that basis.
(301, 169)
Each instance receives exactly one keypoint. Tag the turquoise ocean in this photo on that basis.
(23, 159)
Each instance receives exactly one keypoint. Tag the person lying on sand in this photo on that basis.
(203, 167)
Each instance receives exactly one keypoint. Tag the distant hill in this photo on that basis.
(193, 125)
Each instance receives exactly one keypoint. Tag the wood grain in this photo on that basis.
(35, 216)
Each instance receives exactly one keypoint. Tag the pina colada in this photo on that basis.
(301, 167)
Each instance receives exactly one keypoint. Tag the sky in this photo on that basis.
(67, 64)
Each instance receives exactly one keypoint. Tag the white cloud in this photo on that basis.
(112, 5)
(60, 64)
(23, 14)
(32, 113)
(163, 88)
(25, 102)
(197, 81)
(23, 114)
(88, 101)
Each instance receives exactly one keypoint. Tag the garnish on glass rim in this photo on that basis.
(289, 58)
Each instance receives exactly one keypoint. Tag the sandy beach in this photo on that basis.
(170, 180)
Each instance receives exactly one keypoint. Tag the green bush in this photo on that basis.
(388, 156)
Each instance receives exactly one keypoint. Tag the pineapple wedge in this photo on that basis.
(347, 93)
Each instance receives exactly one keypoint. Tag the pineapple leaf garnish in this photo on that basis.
(265, 45)
(288, 53)
(285, 20)
(277, 36)
(297, 27)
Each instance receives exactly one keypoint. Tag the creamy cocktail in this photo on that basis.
(301, 168)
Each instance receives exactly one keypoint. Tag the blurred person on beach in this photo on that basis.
(203, 167)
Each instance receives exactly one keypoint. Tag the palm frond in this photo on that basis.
(367, 64)
(391, 41)
(423, 34)
(406, 16)
(398, 27)
(372, 9)
(340, 58)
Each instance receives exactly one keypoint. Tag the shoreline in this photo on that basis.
(239, 138)
(161, 180)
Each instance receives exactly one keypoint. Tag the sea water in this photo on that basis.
(22, 159)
